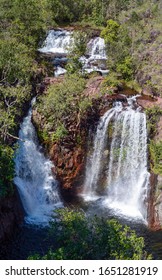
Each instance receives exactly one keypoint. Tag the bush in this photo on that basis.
(126, 68)
(62, 105)
(153, 115)
(6, 170)
(81, 237)
(156, 156)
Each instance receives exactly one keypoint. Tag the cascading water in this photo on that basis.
(95, 59)
(96, 48)
(124, 166)
(93, 167)
(35, 182)
(58, 43)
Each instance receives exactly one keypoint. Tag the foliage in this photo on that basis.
(15, 62)
(60, 133)
(156, 156)
(106, 9)
(62, 98)
(30, 26)
(155, 148)
(110, 32)
(153, 115)
(118, 44)
(23, 24)
(12, 100)
(6, 170)
(65, 11)
(125, 67)
(77, 49)
(81, 237)
(60, 101)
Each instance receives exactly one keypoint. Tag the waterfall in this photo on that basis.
(121, 158)
(95, 59)
(96, 48)
(58, 43)
(36, 185)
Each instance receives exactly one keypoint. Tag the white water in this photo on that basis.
(127, 178)
(58, 42)
(59, 71)
(96, 48)
(95, 59)
(36, 185)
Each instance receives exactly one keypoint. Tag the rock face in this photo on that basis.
(69, 155)
(148, 101)
(11, 215)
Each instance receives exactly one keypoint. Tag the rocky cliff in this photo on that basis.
(11, 215)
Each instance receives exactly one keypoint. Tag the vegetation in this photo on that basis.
(79, 237)
(76, 50)
(153, 115)
(6, 171)
(20, 33)
(155, 147)
(132, 32)
(156, 156)
(61, 100)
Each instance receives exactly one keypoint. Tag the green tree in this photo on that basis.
(118, 44)
(6, 170)
(16, 64)
(30, 20)
(80, 237)
(110, 32)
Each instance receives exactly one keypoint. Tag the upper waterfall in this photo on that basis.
(36, 184)
(95, 59)
(117, 168)
(58, 43)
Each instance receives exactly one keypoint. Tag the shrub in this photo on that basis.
(6, 170)
(82, 237)
(156, 156)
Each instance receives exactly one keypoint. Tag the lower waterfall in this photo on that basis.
(116, 171)
(36, 185)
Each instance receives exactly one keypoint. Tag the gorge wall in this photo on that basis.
(11, 215)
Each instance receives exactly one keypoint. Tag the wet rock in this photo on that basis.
(106, 153)
(11, 215)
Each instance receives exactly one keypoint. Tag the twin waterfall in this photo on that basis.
(117, 169)
(36, 185)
